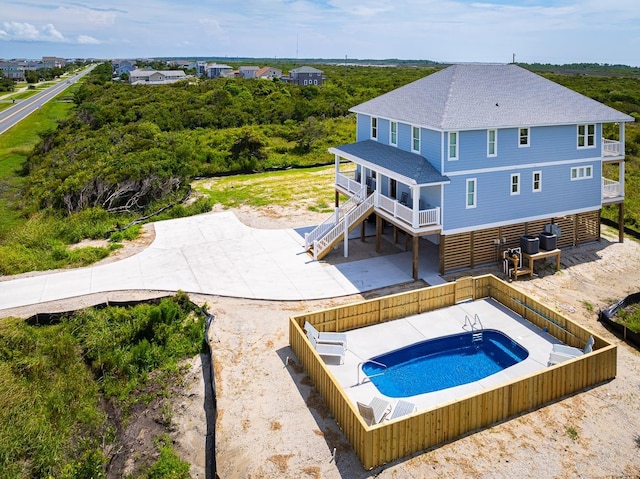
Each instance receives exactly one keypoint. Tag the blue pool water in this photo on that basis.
(443, 363)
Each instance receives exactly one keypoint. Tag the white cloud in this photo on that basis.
(23, 31)
(87, 40)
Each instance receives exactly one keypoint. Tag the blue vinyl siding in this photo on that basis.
(404, 136)
(432, 147)
(383, 131)
(549, 143)
(495, 204)
(363, 128)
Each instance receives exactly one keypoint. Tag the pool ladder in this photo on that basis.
(373, 375)
(476, 327)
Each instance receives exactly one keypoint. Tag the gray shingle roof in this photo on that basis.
(306, 69)
(467, 97)
(414, 168)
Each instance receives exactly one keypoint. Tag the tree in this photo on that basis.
(248, 150)
(309, 132)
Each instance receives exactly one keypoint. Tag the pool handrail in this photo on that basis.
(373, 375)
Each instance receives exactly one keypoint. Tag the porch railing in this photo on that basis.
(323, 228)
(342, 227)
(426, 217)
(611, 188)
(347, 181)
(611, 147)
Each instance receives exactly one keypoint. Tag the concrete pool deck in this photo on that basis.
(371, 341)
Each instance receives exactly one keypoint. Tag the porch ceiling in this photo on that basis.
(409, 168)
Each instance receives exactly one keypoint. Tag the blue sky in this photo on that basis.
(543, 31)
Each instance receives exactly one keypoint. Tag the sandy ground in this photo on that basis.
(273, 423)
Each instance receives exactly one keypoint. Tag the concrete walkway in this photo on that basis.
(217, 254)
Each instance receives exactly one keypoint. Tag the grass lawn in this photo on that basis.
(311, 188)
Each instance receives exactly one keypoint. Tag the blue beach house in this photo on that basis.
(471, 158)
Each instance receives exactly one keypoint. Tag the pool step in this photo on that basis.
(476, 337)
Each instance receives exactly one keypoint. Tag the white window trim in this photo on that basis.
(475, 193)
(528, 143)
(581, 173)
(449, 157)
(495, 143)
(586, 136)
(515, 176)
(391, 124)
(373, 131)
(533, 182)
(419, 139)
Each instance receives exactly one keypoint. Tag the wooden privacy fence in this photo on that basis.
(394, 439)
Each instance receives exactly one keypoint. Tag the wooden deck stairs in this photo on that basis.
(332, 231)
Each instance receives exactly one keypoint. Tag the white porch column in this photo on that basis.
(622, 123)
(415, 195)
(346, 235)
(621, 177)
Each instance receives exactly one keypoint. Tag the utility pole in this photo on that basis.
(513, 58)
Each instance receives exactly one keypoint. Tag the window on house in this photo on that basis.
(523, 137)
(587, 136)
(492, 143)
(393, 133)
(471, 193)
(581, 173)
(374, 128)
(415, 138)
(315, 82)
(515, 184)
(453, 145)
(537, 181)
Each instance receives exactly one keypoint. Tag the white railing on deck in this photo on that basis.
(429, 217)
(611, 188)
(342, 227)
(335, 218)
(611, 148)
(404, 213)
(348, 182)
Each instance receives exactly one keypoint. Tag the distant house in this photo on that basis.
(156, 77)
(188, 64)
(122, 66)
(305, 76)
(12, 70)
(54, 62)
(248, 71)
(473, 157)
(269, 73)
(217, 70)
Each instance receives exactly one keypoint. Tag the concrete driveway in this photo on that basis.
(217, 254)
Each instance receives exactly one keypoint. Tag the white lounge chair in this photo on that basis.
(562, 352)
(402, 408)
(328, 350)
(571, 351)
(329, 338)
(375, 411)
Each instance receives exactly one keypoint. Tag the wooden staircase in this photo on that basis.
(332, 231)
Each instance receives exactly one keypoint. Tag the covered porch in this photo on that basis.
(405, 189)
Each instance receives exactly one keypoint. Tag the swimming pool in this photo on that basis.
(442, 363)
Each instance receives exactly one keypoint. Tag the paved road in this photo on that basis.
(23, 108)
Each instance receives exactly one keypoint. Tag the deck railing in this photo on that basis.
(427, 217)
(342, 227)
(347, 180)
(335, 218)
(611, 188)
(611, 147)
